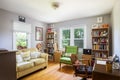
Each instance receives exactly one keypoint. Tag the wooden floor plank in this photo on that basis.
(53, 72)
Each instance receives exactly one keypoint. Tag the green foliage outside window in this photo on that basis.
(65, 43)
(78, 33)
(21, 40)
(66, 37)
(66, 34)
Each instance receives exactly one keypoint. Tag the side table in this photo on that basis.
(57, 56)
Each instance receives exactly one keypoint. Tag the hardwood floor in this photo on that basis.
(53, 72)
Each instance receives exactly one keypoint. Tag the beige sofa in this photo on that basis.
(30, 60)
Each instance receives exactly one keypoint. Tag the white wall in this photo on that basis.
(83, 21)
(6, 29)
(116, 28)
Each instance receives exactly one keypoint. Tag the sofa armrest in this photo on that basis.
(44, 55)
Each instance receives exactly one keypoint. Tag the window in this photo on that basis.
(66, 37)
(74, 36)
(21, 40)
(79, 37)
(21, 36)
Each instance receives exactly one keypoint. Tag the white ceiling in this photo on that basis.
(68, 10)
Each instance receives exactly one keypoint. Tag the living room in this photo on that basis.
(8, 18)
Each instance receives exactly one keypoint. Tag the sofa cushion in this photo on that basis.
(26, 55)
(38, 61)
(24, 65)
(35, 54)
(19, 58)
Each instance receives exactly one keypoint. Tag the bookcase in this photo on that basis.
(51, 42)
(100, 42)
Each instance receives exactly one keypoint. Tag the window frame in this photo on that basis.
(72, 35)
(21, 27)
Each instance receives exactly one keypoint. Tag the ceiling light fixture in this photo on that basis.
(55, 5)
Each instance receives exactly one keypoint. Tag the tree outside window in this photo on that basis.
(21, 40)
(78, 37)
(66, 38)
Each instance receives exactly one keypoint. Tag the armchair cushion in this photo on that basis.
(66, 60)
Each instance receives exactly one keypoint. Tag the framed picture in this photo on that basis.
(99, 19)
(38, 33)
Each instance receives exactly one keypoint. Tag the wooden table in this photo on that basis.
(57, 56)
(99, 73)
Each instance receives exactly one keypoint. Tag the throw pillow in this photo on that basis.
(67, 54)
(26, 55)
(35, 55)
(19, 58)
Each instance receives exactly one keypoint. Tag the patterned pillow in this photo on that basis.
(26, 55)
(19, 58)
(35, 54)
(67, 54)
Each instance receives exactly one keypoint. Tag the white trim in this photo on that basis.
(85, 36)
(21, 27)
(72, 36)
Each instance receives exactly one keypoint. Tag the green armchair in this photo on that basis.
(65, 57)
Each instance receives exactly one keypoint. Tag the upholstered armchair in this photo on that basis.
(81, 69)
(65, 57)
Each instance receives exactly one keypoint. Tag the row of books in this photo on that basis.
(100, 40)
(50, 36)
(51, 50)
(50, 41)
(100, 47)
(100, 55)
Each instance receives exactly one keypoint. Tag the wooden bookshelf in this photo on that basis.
(51, 42)
(100, 42)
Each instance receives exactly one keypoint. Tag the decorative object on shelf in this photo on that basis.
(21, 18)
(109, 66)
(38, 33)
(51, 28)
(95, 26)
(116, 62)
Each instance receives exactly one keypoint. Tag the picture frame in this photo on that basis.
(38, 33)
(99, 19)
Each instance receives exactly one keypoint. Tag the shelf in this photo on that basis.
(100, 50)
(100, 28)
(51, 42)
(50, 32)
(100, 37)
(100, 42)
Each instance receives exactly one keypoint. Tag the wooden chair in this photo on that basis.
(65, 57)
(80, 69)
